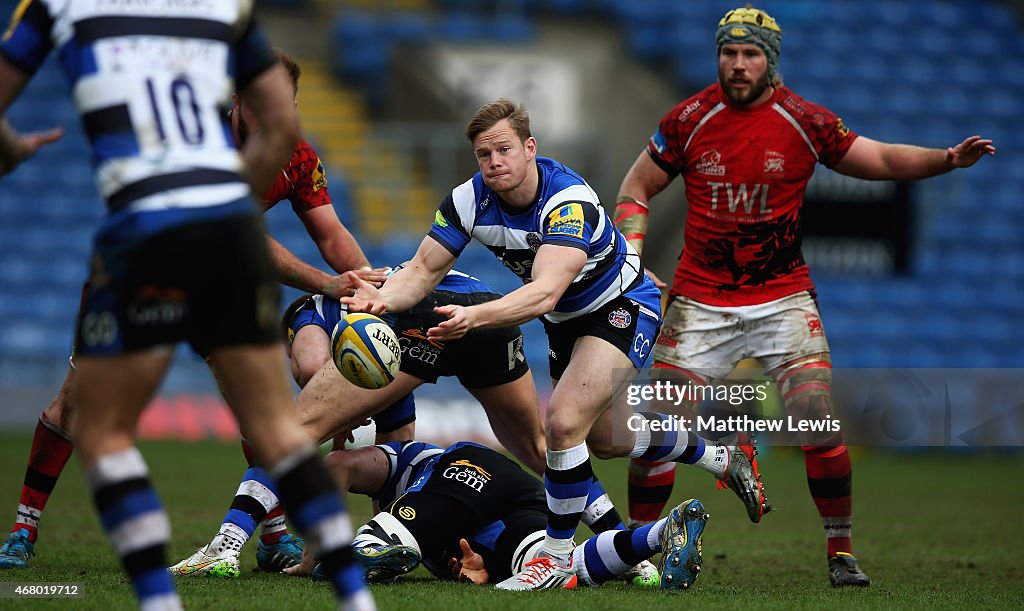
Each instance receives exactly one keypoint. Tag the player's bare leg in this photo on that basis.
(310, 349)
(330, 404)
(513, 411)
(110, 393)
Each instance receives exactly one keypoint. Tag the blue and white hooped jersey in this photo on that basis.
(410, 465)
(152, 81)
(567, 213)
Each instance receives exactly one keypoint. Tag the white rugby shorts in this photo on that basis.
(711, 340)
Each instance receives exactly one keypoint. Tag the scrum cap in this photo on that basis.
(753, 27)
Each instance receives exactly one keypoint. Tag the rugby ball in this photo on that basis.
(366, 350)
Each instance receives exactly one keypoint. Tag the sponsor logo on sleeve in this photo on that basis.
(439, 219)
(533, 241)
(566, 220)
(319, 176)
(841, 129)
(658, 140)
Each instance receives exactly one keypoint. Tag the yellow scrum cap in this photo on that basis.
(755, 27)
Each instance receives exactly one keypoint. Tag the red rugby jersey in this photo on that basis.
(302, 182)
(745, 171)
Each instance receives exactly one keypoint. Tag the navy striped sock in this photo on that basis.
(136, 524)
(256, 495)
(655, 443)
(567, 483)
(600, 514)
(609, 555)
(308, 493)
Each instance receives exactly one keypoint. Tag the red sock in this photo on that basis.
(50, 452)
(830, 479)
(274, 526)
(650, 486)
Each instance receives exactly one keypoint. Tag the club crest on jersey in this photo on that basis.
(774, 162)
(566, 220)
(533, 241)
(619, 318)
(709, 163)
(319, 176)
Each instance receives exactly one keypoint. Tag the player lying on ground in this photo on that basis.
(469, 513)
(490, 365)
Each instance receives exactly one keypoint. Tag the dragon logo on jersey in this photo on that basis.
(533, 241)
(814, 327)
(619, 319)
(709, 163)
(566, 220)
(319, 176)
(440, 220)
(773, 162)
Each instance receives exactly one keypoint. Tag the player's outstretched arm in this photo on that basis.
(409, 285)
(554, 269)
(874, 160)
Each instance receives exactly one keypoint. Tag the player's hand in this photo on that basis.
(968, 152)
(658, 282)
(366, 298)
(304, 567)
(375, 276)
(15, 148)
(471, 568)
(460, 321)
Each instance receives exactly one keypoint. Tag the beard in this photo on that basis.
(740, 97)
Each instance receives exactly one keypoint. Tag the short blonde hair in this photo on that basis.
(492, 112)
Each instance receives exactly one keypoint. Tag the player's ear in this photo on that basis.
(531, 147)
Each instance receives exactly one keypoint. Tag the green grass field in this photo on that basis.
(932, 530)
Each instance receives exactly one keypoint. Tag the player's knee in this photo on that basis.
(807, 394)
(563, 430)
